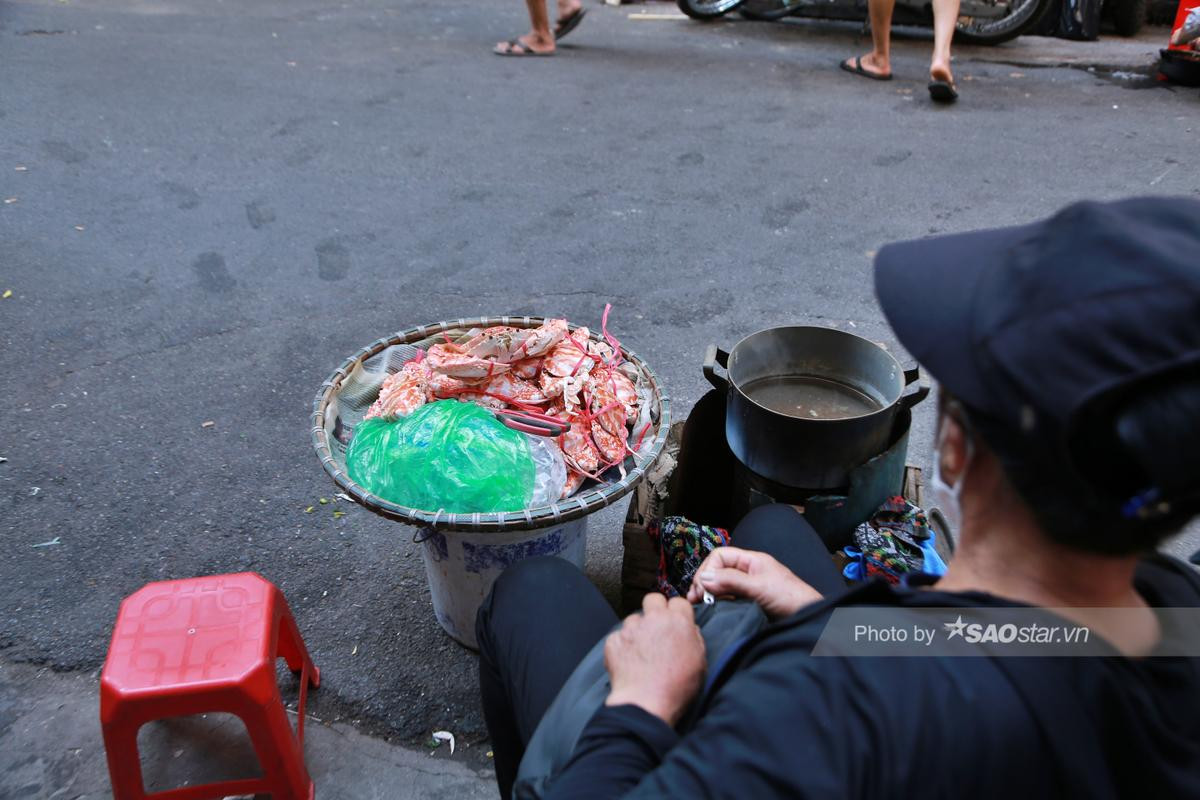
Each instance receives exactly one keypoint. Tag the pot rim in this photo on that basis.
(889, 408)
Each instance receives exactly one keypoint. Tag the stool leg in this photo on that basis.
(291, 647)
(124, 762)
(280, 754)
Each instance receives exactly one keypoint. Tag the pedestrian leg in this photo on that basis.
(878, 63)
(945, 18)
(539, 41)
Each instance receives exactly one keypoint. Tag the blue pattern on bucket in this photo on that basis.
(436, 544)
(481, 557)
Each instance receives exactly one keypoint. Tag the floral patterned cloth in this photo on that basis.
(892, 542)
(682, 546)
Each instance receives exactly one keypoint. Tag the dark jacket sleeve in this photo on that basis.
(796, 726)
(772, 731)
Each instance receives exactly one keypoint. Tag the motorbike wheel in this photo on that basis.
(765, 10)
(1023, 15)
(707, 9)
(1128, 16)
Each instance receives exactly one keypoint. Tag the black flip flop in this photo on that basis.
(942, 92)
(857, 69)
(525, 51)
(568, 23)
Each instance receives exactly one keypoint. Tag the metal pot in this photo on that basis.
(812, 446)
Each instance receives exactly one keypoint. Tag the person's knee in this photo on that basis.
(770, 517)
(519, 588)
(534, 576)
(766, 525)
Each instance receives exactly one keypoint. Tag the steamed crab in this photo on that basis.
(552, 369)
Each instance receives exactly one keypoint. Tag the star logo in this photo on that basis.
(955, 628)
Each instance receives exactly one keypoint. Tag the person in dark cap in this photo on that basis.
(1068, 357)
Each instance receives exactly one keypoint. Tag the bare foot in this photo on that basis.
(873, 65)
(527, 45)
(941, 83)
(570, 14)
(940, 71)
(566, 8)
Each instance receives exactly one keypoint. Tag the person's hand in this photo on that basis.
(656, 660)
(731, 571)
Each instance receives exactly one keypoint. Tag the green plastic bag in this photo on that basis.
(446, 455)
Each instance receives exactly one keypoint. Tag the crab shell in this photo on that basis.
(455, 361)
(442, 386)
(603, 401)
(402, 392)
(497, 343)
(505, 343)
(543, 337)
(519, 389)
(574, 481)
(527, 368)
(626, 392)
(482, 400)
(602, 350)
(569, 356)
(578, 448)
(611, 448)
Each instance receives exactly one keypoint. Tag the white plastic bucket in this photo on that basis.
(461, 566)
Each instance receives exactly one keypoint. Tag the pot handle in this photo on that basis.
(712, 357)
(911, 376)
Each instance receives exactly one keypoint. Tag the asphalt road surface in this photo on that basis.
(208, 205)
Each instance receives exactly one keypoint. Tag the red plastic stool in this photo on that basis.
(198, 646)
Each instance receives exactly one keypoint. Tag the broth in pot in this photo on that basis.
(810, 397)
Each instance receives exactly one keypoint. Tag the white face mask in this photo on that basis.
(945, 497)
